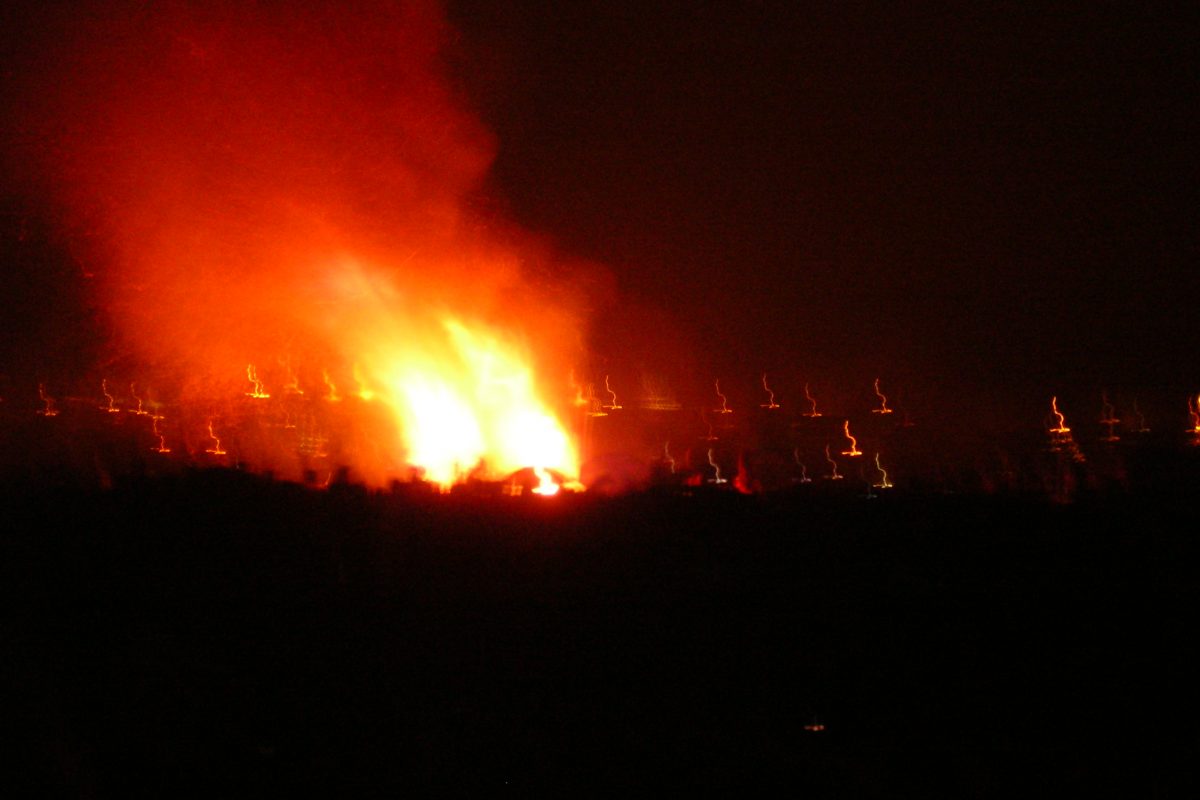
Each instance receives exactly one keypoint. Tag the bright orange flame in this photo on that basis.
(133, 394)
(1061, 426)
(162, 440)
(853, 451)
(883, 409)
(546, 485)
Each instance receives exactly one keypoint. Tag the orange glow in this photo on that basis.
(1109, 419)
(300, 189)
(883, 409)
(1061, 426)
(667, 456)
(833, 476)
(803, 469)
(853, 451)
(724, 409)
(771, 402)
(49, 410)
(1194, 413)
(813, 412)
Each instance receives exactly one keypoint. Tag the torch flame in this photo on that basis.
(112, 401)
(252, 376)
(216, 448)
(49, 410)
(712, 462)
(613, 406)
(884, 483)
(546, 486)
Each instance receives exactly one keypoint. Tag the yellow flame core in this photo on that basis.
(476, 407)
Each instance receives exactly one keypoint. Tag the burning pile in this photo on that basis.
(274, 185)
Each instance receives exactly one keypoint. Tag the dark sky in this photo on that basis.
(957, 197)
(974, 193)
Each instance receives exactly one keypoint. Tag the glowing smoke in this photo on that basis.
(289, 187)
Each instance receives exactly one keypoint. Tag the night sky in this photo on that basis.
(957, 197)
(966, 200)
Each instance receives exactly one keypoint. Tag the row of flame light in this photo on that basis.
(1061, 438)
(602, 410)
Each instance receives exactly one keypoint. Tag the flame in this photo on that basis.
(667, 456)
(1194, 413)
(812, 413)
(298, 186)
(1060, 427)
(771, 402)
(853, 451)
(546, 485)
(883, 409)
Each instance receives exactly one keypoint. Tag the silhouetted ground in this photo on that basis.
(216, 633)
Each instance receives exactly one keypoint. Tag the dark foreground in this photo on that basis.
(218, 634)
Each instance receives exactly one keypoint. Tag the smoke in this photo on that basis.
(282, 184)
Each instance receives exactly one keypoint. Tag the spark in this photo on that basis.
(49, 410)
(613, 406)
(833, 476)
(813, 413)
(770, 403)
(717, 467)
(252, 376)
(216, 448)
(111, 407)
(667, 456)
(883, 409)
(1060, 427)
(884, 483)
(724, 409)
(133, 393)
(853, 451)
